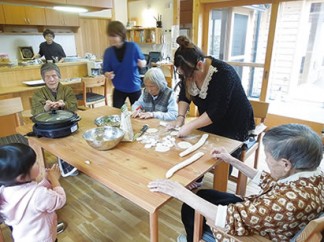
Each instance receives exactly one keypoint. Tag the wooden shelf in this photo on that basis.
(145, 35)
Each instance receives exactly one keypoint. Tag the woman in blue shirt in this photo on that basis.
(120, 64)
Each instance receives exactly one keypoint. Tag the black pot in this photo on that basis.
(55, 123)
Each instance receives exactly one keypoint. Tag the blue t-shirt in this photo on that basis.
(127, 77)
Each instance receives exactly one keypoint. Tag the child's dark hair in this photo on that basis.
(15, 159)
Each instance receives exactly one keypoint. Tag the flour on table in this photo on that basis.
(161, 148)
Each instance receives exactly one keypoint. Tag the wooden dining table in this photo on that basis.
(129, 167)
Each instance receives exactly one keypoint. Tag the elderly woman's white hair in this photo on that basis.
(155, 75)
(297, 143)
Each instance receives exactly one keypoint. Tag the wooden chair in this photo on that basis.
(88, 97)
(312, 232)
(251, 146)
(11, 118)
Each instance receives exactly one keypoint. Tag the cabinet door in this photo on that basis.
(14, 14)
(2, 18)
(53, 17)
(102, 3)
(35, 16)
(71, 19)
(96, 46)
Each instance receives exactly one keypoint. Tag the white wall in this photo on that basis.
(144, 12)
(9, 43)
(119, 12)
(120, 9)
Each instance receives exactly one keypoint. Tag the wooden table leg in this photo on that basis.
(198, 226)
(221, 176)
(40, 159)
(154, 235)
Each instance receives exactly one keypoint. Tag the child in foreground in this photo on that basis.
(25, 205)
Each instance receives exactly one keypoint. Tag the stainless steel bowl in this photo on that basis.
(110, 120)
(103, 138)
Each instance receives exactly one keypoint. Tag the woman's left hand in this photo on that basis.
(141, 63)
(166, 186)
(60, 103)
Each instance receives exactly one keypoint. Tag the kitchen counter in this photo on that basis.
(23, 87)
(7, 68)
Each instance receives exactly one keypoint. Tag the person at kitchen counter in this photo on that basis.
(157, 99)
(54, 96)
(52, 51)
(120, 64)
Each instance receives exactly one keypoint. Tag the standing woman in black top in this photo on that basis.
(52, 51)
(216, 89)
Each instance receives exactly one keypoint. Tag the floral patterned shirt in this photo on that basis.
(281, 209)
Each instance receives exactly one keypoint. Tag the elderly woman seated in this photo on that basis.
(292, 191)
(157, 100)
(54, 96)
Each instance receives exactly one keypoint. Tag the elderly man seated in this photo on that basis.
(292, 191)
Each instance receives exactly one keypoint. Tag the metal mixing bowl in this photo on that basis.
(111, 120)
(103, 138)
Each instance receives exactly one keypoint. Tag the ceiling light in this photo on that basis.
(70, 9)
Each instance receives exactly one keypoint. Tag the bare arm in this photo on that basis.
(221, 153)
(36, 56)
(202, 121)
(141, 63)
(182, 111)
(174, 189)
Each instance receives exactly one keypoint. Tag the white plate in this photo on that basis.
(35, 83)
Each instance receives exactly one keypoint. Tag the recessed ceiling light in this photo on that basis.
(70, 9)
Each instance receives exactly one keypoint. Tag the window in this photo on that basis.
(238, 35)
(297, 68)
